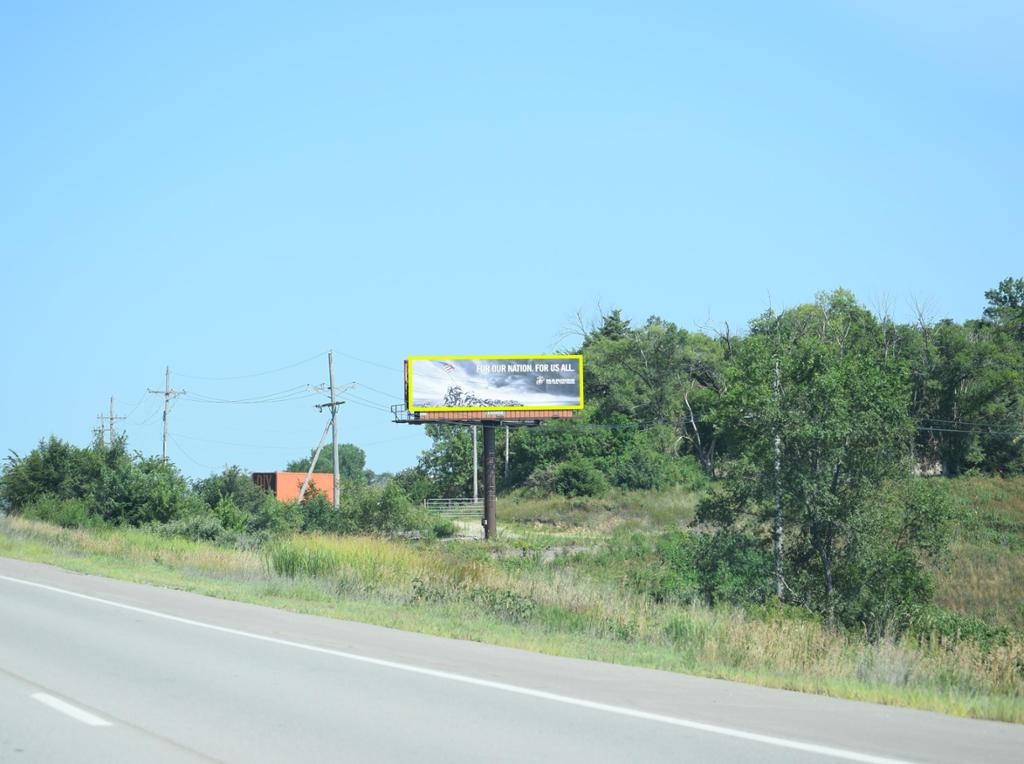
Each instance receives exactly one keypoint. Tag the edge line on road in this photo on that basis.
(67, 709)
(781, 742)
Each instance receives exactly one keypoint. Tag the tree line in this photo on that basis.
(665, 405)
(106, 484)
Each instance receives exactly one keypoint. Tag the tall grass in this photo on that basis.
(983, 576)
(135, 545)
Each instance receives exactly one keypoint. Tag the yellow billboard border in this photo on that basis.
(488, 408)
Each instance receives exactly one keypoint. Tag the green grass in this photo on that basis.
(547, 590)
(983, 576)
(586, 517)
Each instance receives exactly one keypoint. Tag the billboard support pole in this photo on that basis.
(490, 484)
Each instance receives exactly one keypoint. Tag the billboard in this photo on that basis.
(494, 383)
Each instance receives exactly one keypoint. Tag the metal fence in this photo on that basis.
(455, 507)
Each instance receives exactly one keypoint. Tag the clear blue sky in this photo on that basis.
(230, 188)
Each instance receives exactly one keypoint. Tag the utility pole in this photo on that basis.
(168, 394)
(333, 406)
(112, 419)
(476, 469)
(101, 430)
(506, 455)
(334, 430)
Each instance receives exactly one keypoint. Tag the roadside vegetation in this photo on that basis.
(568, 580)
(743, 507)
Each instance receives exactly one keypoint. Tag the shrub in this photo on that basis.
(881, 581)
(54, 467)
(275, 518)
(319, 515)
(641, 467)
(441, 527)
(236, 486)
(504, 603)
(198, 527)
(69, 513)
(387, 511)
(577, 477)
(661, 567)
(930, 622)
(732, 567)
(144, 491)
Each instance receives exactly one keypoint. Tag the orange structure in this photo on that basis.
(286, 485)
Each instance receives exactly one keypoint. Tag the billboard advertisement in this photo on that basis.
(494, 383)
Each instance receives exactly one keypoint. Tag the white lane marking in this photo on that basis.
(781, 742)
(73, 711)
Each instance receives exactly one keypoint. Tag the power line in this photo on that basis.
(371, 363)
(391, 396)
(135, 406)
(360, 401)
(148, 419)
(977, 424)
(256, 374)
(392, 440)
(292, 393)
(369, 406)
(972, 431)
(230, 443)
(188, 455)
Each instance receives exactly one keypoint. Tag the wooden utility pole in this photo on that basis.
(112, 419)
(168, 394)
(333, 406)
(102, 429)
(490, 484)
(334, 431)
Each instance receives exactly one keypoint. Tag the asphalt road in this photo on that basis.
(97, 670)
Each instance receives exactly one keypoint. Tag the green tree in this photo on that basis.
(55, 468)
(234, 484)
(819, 418)
(656, 374)
(967, 388)
(351, 462)
(1006, 307)
(448, 463)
